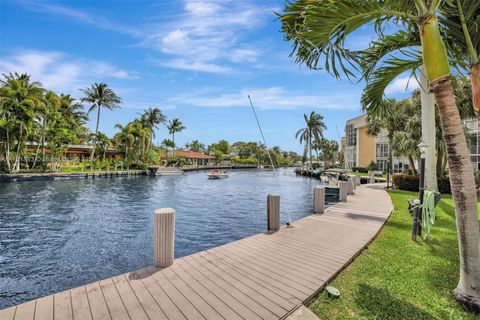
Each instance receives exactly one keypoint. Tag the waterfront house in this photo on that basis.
(191, 157)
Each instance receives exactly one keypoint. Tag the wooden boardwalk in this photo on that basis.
(266, 276)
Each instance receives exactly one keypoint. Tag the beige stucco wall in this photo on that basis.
(366, 147)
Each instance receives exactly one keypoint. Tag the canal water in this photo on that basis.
(56, 235)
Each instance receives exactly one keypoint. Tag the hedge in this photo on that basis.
(360, 169)
(410, 183)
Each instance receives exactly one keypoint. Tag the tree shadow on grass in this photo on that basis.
(380, 304)
(447, 208)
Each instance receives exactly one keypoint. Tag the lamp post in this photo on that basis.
(417, 218)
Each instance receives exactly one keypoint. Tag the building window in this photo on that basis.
(351, 134)
(382, 165)
(382, 150)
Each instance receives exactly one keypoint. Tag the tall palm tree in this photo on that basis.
(152, 118)
(99, 96)
(21, 100)
(313, 130)
(319, 30)
(175, 126)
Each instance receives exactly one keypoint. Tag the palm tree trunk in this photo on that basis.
(310, 148)
(461, 176)
(95, 138)
(412, 165)
(7, 151)
(16, 166)
(464, 194)
(173, 148)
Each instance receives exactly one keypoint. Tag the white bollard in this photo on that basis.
(358, 180)
(273, 212)
(371, 177)
(318, 199)
(343, 186)
(163, 237)
(350, 186)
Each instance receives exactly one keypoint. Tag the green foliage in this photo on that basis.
(396, 278)
(411, 183)
(372, 166)
(360, 169)
(405, 182)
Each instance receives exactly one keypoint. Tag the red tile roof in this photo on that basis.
(192, 154)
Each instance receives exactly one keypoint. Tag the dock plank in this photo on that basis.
(262, 277)
(26, 311)
(8, 313)
(44, 308)
(130, 300)
(115, 304)
(80, 305)
(63, 306)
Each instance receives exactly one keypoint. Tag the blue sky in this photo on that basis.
(195, 60)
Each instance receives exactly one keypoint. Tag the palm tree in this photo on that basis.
(313, 130)
(99, 96)
(21, 99)
(175, 126)
(124, 137)
(151, 118)
(103, 142)
(166, 144)
(195, 145)
(319, 31)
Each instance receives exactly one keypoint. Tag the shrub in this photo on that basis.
(372, 166)
(405, 182)
(444, 185)
(411, 183)
(360, 169)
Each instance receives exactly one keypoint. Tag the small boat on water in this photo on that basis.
(217, 174)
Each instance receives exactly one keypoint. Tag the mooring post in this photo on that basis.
(372, 177)
(342, 195)
(163, 237)
(358, 180)
(350, 186)
(273, 212)
(318, 199)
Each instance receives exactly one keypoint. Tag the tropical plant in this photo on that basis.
(99, 96)
(151, 118)
(173, 127)
(313, 131)
(21, 98)
(195, 145)
(319, 30)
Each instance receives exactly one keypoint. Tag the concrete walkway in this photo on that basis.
(266, 276)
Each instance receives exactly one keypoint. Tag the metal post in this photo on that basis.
(319, 199)
(342, 195)
(163, 237)
(273, 212)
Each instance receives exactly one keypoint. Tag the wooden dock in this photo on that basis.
(265, 276)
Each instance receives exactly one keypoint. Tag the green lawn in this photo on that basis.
(397, 278)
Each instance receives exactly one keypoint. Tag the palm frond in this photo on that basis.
(373, 95)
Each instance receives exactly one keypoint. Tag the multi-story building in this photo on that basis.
(361, 148)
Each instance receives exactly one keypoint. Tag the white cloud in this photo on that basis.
(241, 55)
(61, 72)
(402, 85)
(270, 98)
(208, 33)
(183, 64)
